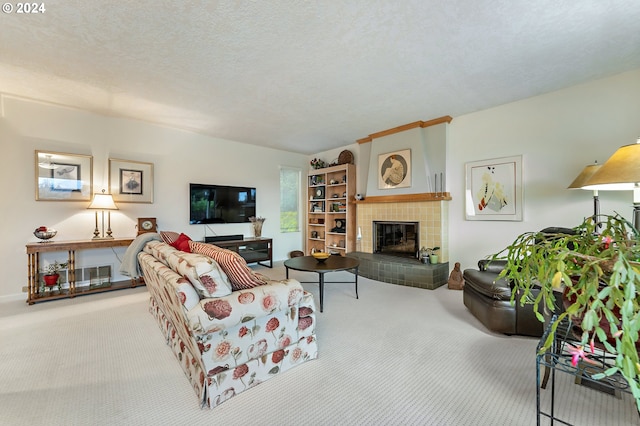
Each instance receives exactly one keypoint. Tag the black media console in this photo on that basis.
(252, 250)
(217, 238)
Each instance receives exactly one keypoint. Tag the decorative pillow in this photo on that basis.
(203, 248)
(187, 293)
(240, 275)
(206, 276)
(169, 237)
(182, 243)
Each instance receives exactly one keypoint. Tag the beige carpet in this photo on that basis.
(396, 356)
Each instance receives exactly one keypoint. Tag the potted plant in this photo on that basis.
(429, 253)
(596, 272)
(52, 273)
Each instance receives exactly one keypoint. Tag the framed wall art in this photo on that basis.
(394, 169)
(131, 181)
(63, 177)
(494, 189)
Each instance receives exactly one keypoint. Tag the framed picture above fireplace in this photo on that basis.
(494, 189)
(394, 169)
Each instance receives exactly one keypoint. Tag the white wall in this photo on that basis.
(558, 134)
(179, 158)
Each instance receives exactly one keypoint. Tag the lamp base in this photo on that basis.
(636, 217)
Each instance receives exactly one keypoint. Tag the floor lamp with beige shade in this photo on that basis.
(621, 172)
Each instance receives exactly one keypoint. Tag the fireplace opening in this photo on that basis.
(396, 238)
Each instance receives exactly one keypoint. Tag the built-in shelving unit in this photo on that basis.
(331, 210)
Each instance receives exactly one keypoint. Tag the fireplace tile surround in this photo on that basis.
(432, 216)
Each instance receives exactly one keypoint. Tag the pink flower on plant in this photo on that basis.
(578, 353)
(243, 331)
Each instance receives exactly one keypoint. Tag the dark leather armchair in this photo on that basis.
(489, 300)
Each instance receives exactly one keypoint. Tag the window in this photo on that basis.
(289, 199)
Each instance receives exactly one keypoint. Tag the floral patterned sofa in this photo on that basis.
(230, 328)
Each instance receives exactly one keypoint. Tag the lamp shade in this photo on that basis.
(103, 202)
(581, 180)
(621, 172)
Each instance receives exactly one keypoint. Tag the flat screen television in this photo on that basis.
(220, 204)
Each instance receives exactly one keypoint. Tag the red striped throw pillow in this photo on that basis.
(240, 275)
(169, 237)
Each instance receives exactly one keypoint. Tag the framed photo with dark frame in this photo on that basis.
(131, 181)
(63, 177)
(494, 189)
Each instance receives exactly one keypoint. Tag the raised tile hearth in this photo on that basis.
(401, 271)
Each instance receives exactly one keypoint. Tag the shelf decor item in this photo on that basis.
(256, 223)
(345, 157)
(147, 224)
(45, 234)
(321, 256)
(596, 272)
(317, 163)
(52, 273)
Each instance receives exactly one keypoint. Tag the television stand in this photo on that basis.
(252, 250)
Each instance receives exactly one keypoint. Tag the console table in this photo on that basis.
(252, 250)
(33, 254)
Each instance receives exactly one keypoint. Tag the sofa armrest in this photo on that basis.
(216, 314)
(488, 265)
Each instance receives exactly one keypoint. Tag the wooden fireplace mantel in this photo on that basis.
(407, 198)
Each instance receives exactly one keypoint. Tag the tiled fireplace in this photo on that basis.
(430, 216)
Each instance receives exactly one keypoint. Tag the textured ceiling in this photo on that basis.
(309, 76)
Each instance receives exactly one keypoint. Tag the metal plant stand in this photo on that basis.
(557, 359)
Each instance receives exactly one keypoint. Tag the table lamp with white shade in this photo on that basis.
(103, 202)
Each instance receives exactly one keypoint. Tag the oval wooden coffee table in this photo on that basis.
(332, 264)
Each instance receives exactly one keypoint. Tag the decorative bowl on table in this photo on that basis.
(45, 235)
(320, 256)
